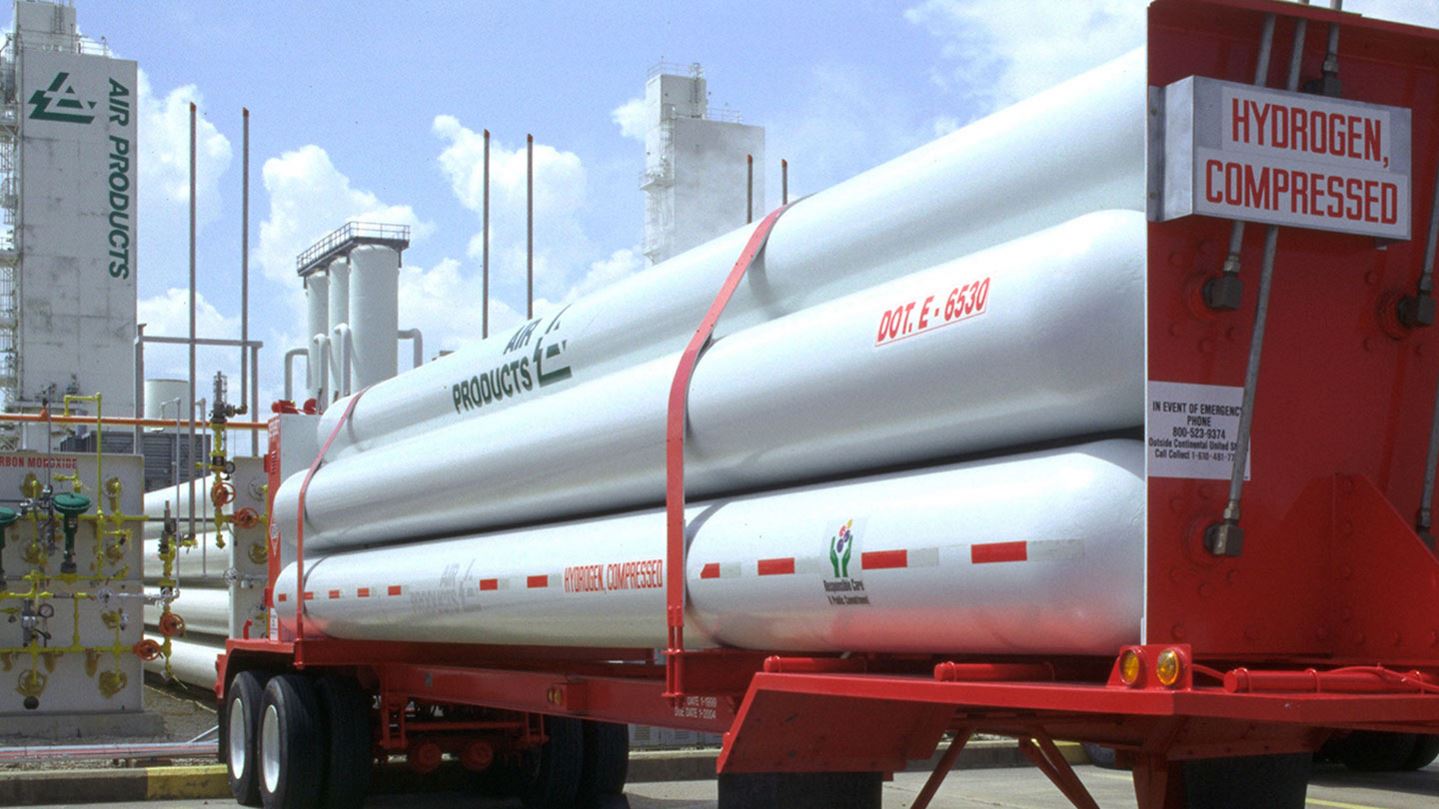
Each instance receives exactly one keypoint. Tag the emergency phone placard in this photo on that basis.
(1192, 430)
(1242, 152)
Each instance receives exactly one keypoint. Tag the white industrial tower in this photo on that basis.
(696, 179)
(68, 175)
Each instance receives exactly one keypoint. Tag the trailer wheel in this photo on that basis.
(239, 725)
(1375, 751)
(1426, 749)
(292, 746)
(1248, 782)
(346, 712)
(553, 773)
(606, 760)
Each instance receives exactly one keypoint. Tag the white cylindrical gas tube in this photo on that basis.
(1037, 339)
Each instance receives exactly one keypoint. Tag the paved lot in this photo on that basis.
(1331, 788)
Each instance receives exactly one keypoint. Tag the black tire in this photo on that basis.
(1249, 782)
(351, 762)
(1105, 758)
(242, 709)
(1426, 749)
(1373, 751)
(606, 760)
(553, 776)
(292, 744)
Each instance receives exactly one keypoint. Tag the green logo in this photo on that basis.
(841, 547)
(67, 105)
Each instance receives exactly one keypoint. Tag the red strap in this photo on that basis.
(675, 456)
(300, 526)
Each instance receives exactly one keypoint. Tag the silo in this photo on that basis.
(374, 314)
(317, 287)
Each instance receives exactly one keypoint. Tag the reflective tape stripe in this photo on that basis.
(282, 597)
(710, 571)
(537, 582)
(334, 594)
(395, 589)
(362, 592)
(884, 560)
(994, 552)
(489, 584)
(309, 596)
(775, 567)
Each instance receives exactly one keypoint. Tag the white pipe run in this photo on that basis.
(206, 611)
(1056, 350)
(374, 314)
(190, 661)
(317, 290)
(179, 500)
(1027, 554)
(1073, 149)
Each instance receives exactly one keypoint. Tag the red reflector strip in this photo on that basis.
(282, 597)
(334, 594)
(884, 560)
(489, 584)
(776, 567)
(363, 592)
(710, 571)
(999, 552)
(396, 589)
(309, 596)
(537, 582)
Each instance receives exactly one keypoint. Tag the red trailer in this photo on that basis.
(1311, 614)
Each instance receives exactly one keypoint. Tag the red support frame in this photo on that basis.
(675, 424)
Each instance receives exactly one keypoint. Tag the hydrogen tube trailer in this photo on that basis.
(963, 457)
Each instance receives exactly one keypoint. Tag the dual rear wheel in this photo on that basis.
(296, 741)
(292, 740)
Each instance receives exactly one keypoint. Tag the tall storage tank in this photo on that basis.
(374, 314)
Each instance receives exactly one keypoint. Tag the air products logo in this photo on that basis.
(60, 102)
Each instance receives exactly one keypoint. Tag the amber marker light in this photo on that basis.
(1168, 668)
(1130, 667)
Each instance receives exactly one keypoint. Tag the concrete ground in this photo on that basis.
(1331, 788)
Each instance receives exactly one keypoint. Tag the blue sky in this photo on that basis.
(366, 109)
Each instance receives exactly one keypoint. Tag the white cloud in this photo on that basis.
(998, 51)
(168, 314)
(630, 118)
(309, 197)
(561, 245)
(163, 129)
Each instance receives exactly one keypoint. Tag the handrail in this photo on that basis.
(675, 457)
(119, 421)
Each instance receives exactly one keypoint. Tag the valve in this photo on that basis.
(172, 625)
(247, 518)
(31, 685)
(222, 493)
(147, 650)
(259, 553)
(92, 662)
(71, 506)
(8, 516)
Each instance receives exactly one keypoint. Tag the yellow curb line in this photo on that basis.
(173, 783)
